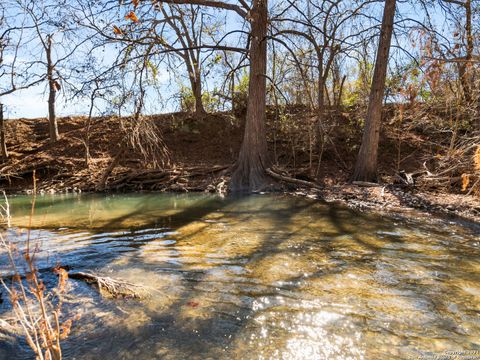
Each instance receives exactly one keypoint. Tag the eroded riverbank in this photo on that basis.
(201, 162)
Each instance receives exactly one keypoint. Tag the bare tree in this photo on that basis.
(465, 33)
(54, 32)
(53, 87)
(3, 143)
(188, 26)
(366, 165)
(14, 74)
(315, 36)
(249, 172)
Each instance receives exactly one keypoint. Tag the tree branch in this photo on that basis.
(209, 3)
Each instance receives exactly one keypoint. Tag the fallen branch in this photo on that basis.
(366, 184)
(292, 180)
(112, 288)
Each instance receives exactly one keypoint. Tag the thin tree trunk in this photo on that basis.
(86, 137)
(234, 107)
(196, 84)
(197, 93)
(320, 121)
(249, 174)
(340, 93)
(465, 77)
(52, 118)
(3, 142)
(190, 57)
(52, 86)
(366, 166)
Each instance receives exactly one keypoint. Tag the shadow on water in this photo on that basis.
(298, 251)
(210, 335)
(215, 332)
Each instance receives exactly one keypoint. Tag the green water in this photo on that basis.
(260, 277)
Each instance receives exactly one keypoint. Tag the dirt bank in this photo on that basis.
(201, 152)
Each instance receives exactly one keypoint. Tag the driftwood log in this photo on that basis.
(291, 180)
(366, 184)
(112, 288)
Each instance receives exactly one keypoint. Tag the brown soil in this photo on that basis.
(202, 150)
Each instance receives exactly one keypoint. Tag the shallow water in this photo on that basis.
(260, 277)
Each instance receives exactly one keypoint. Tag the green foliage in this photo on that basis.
(187, 100)
(356, 92)
(153, 69)
(217, 59)
(407, 84)
(210, 102)
(242, 85)
(126, 56)
(240, 92)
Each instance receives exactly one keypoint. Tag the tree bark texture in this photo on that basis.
(249, 174)
(366, 165)
(52, 92)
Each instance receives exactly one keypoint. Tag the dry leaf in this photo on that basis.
(465, 181)
(476, 158)
(131, 16)
(117, 30)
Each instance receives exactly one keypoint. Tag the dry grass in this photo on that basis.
(38, 311)
(476, 158)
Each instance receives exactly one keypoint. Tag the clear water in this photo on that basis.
(260, 277)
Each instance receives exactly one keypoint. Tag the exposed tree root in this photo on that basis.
(171, 179)
(116, 177)
(103, 180)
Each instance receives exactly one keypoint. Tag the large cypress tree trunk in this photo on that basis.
(366, 166)
(249, 174)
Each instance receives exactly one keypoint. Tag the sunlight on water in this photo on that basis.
(262, 277)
